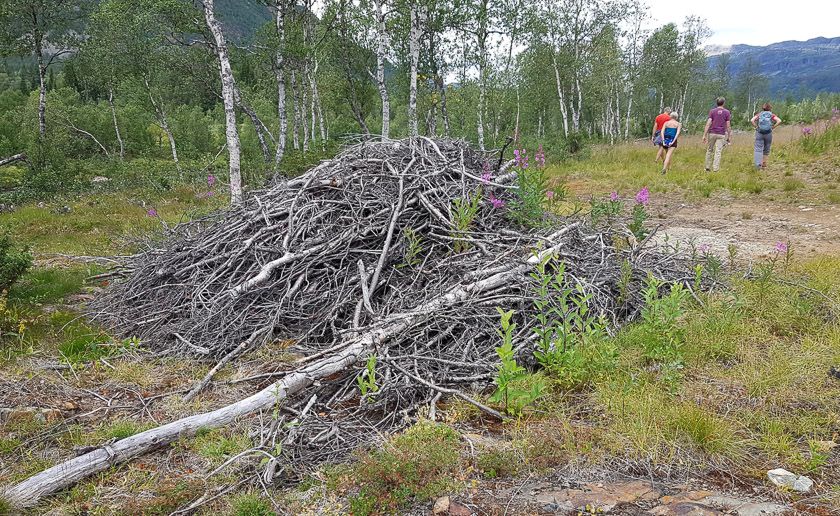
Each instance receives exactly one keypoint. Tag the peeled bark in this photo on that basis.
(381, 48)
(229, 101)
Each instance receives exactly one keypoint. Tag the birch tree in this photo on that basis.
(44, 29)
(228, 99)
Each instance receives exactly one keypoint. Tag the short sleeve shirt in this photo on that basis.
(660, 120)
(719, 118)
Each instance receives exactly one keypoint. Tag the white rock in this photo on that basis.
(99, 179)
(784, 478)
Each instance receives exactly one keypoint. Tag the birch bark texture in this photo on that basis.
(229, 101)
(381, 49)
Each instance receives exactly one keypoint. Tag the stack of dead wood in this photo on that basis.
(391, 250)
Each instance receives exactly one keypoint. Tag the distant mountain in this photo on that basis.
(794, 68)
(242, 18)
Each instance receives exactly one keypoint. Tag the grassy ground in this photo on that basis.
(796, 172)
(746, 389)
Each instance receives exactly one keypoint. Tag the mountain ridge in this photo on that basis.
(793, 68)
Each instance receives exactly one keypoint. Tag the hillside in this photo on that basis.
(242, 18)
(794, 68)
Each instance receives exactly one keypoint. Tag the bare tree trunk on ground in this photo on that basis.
(229, 100)
(31, 491)
(12, 159)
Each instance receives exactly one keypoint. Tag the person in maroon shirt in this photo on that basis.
(718, 132)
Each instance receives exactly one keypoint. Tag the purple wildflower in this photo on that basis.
(549, 195)
(807, 131)
(613, 196)
(152, 212)
(496, 203)
(211, 193)
(521, 157)
(211, 180)
(781, 247)
(704, 248)
(643, 196)
(540, 157)
(486, 177)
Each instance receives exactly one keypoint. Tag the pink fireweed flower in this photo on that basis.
(521, 157)
(211, 180)
(807, 131)
(549, 195)
(704, 248)
(614, 196)
(496, 203)
(781, 247)
(540, 157)
(487, 177)
(643, 196)
(152, 213)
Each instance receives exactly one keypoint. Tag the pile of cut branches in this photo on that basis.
(385, 265)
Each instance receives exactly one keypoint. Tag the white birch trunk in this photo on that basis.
(296, 114)
(116, 124)
(304, 101)
(163, 123)
(381, 48)
(563, 113)
(229, 101)
(280, 77)
(42, 89)
(414, 51)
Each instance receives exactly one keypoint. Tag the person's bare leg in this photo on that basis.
(667, 162)
(659, 154)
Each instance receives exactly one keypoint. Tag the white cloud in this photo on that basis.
(754, 22)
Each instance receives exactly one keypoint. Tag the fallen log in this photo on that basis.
(66, 474)
(11, 159)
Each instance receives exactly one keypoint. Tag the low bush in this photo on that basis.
(14, 262)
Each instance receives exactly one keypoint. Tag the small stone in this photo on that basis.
(441, 505)
(784, 478)
(99, 179)
(69, 405)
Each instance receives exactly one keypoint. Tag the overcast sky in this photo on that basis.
(755, 22)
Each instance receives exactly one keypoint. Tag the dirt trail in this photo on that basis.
(753, 225)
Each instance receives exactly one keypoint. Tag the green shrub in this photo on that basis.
(250, 504)
(415, 466)
(14, 262)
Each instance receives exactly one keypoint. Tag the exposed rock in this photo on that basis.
(784, 478)
(596, 497)
(684, 509)
(100, 179)
(441, 505)
(761, 509)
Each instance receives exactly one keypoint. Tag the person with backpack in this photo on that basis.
(764, 122)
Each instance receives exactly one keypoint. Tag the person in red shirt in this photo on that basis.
(656, 137)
